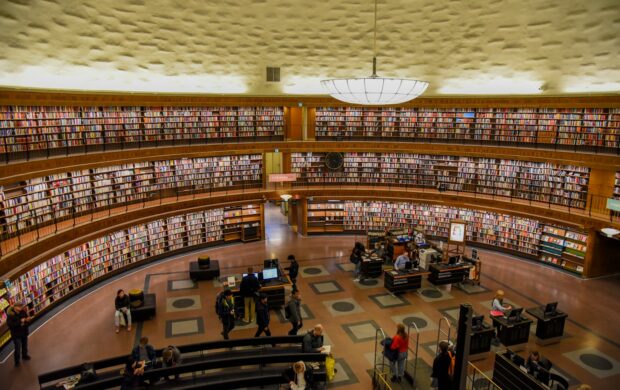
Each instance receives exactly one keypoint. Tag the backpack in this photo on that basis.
(452, 363)
(287, 312)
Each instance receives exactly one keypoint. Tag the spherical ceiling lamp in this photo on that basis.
(374, 90)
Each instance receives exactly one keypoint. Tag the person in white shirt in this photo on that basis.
(498, 302)
(401, 260)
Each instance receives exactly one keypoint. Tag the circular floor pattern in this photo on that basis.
(419, 322)
(312, 271)
(431, 293)
(183, 303)
(596, 361)
(343, 306)
(369, 282)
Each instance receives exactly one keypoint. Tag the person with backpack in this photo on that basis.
(356, 258)
(400, 343)
(292, 312)
(262, 316)
(226, 311)
(249, 289)
(443, 367)
(293, 270)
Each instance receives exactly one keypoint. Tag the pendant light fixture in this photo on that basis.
(374, 90)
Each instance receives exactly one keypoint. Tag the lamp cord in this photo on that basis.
(374, 48)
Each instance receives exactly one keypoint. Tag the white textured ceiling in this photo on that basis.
(460, 47)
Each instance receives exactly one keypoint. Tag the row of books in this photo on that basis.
(617, 186)
(574, 126)
(45, 199)
(545, 182)
(55, 278)
(37, 128)
(523, 235)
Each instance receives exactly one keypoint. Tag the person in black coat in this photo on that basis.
(121, 304)
(249, 288)
(441, 367)
(262, 316)
(293, 269)
(300, 376)
(17, 320)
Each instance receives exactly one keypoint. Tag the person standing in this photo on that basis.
(227, 313)
(400, 343)
(441, 367)
(293, 311)
(293, 270)
(17, 320)
(356, 258)
(249, 289)
(262, 316)
(121, 303)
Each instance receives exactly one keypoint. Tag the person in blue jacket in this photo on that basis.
(262, 316)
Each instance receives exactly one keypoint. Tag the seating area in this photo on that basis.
(262, 364)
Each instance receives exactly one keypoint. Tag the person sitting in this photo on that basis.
(313, 340)
(536, 360)
(299, 376)
(144, 354)
(401, 260)
(122, 313)
(171, 356)
(132, 374)
(498, 303)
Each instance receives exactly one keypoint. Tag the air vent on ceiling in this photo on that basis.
(273, 74)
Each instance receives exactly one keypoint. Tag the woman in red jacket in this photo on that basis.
(400, 342)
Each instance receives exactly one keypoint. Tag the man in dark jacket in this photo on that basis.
(248, 289)
(441, 367)
(293, 270)
(262, 316)
(313, 340)
(294, 308)
(17, 320)
(227, 313)
(144, 352)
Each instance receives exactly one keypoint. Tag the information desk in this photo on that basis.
(401, 281)
(549, 329)
(480, 344)
(443, 273)
(396, 248)
(508, 376)
(274, 289)
(514, 334)
(197, 273)
(146, 311)
(371, 265)
(425, 256)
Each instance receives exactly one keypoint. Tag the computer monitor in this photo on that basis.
(453, 259)
(270, 273)
(514, 314)
(270, 263)
(551, 308)
(408, 265)
(476, 322)
(255, 274)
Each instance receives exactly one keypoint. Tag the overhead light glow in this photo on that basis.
(493, 85)
(102, 79)
(586, 84)
(296, 85)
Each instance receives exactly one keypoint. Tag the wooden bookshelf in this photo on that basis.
(617, 186)
(521, 236)
(5, 335)
(44, 200)
(565, 128)
(65, 273)
(30, 131)
(544, 182)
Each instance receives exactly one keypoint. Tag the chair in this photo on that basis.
(559, 381)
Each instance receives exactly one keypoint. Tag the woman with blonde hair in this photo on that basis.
(400, 342)
(299, 377)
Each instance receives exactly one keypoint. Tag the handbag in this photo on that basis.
(330, 367)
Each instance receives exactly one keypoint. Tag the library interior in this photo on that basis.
(285, 194)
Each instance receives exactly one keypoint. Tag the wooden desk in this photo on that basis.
(197, 273)
(509, 376)
(513, 334)
(275, 292)
(443, 273)
(371, 266)
(480, 344)
(399, 282)
(146, 311)
(549, 329)
(396, 247)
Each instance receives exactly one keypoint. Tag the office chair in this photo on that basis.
(559, 381)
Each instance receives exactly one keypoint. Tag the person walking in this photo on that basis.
(262, 316)
(293, 312)
(293, 270)
(227, 312)
(122, 313)
(249, 289)
(17, 320)
(441, 367)
(400, 343)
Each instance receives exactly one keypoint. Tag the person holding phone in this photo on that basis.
(18, 320)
